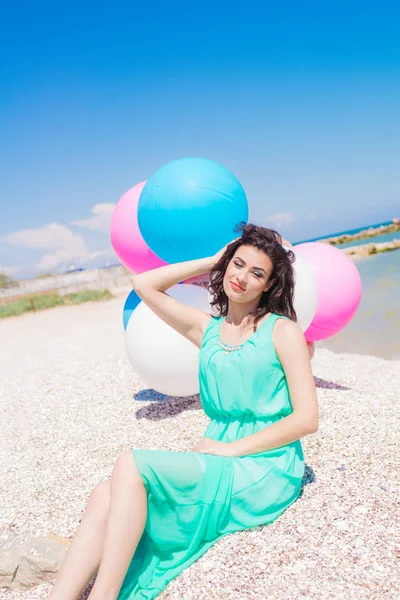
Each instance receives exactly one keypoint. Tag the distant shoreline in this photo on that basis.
(352, 234)
(370, 232)
(365, 249)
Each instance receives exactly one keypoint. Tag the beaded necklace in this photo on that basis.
(227, 348)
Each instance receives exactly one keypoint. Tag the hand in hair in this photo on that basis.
(221, 252)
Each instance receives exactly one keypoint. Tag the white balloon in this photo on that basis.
(193, 295)
(163, 358)
(305, 291)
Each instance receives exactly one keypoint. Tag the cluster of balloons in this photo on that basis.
(187, 210)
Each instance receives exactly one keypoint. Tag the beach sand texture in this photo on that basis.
(69, 409)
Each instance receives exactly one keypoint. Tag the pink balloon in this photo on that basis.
(126, 238)
(339, 289)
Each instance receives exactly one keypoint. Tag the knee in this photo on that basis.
(125, 469)
(99, 500)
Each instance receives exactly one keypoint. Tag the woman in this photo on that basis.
(203, 282)
(162, 510)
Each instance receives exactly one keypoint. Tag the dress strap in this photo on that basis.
(281, 317)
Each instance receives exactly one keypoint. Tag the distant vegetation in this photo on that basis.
(35, 302)
(6, 281)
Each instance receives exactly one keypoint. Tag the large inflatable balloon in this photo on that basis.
(189, 209)
(163, 358)
(339, 288)
(131, 303)
(305, 291)
(126, 238)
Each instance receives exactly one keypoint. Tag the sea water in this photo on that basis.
(375, 329)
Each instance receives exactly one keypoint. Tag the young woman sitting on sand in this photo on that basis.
(162, 510)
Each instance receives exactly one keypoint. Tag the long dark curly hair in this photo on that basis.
(278, 298)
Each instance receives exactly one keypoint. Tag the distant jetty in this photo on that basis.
(364, 250)
(364, 234)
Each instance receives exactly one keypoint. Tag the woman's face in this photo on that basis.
(247, 274)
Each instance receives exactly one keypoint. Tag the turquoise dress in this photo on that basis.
(195, 499)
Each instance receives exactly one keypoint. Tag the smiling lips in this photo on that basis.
(236, 287)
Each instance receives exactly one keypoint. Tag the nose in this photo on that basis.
(241, 282)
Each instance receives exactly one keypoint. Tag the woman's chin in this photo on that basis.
(238, 298)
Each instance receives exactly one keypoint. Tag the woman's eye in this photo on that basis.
(258, 274)
(237, 264)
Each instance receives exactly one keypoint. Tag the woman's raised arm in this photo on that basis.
(150, 287)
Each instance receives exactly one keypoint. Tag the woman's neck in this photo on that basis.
(240, 314)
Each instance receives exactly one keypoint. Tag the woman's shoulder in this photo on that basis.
(286, 330)
(210, 321)
(284, 322)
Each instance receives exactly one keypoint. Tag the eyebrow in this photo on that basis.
(257, 268)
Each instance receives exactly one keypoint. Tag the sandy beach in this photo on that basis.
(71, 404)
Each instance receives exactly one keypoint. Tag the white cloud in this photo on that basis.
(9, 270)
(60, 257)
(49, 237)
(100, 219)
(61, 246)
(279, 220)
(107, 253)
(64, 258)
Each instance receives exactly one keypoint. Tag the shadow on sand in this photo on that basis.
(329, 385)
(165, 406)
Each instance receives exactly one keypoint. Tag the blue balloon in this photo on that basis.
(189, 209)
(130, 304)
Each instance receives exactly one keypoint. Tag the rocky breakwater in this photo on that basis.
(365, 250)
(365, 234)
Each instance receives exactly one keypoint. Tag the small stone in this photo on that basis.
(342, 525)
(40, 562)
(296, 569)
(207, 565)
(301, 529)
(9, 562)
(61, 540)
(362, 509)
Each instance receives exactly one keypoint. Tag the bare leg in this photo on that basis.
(125, 525)
(84, 553)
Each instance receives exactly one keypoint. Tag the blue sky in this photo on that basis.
(300, 100)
